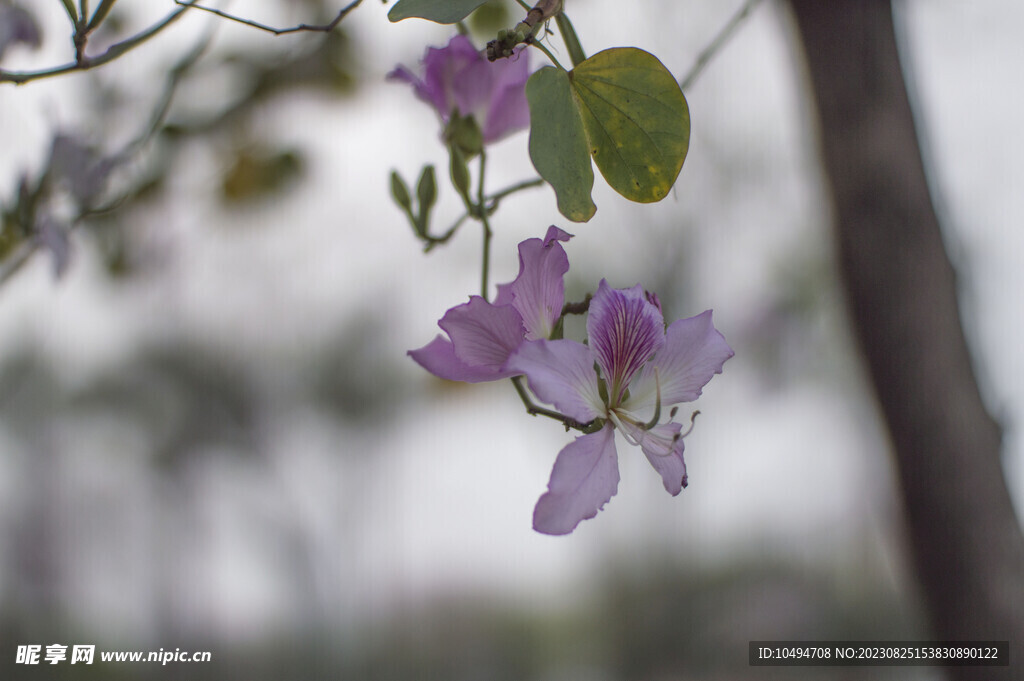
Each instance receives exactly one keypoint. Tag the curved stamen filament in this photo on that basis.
(657, 407)
(616, 419)
(693, 422)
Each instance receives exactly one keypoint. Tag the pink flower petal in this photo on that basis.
(585, 476)
(507, 108)
(483, 335)
(664, 451)
(438, 357)
(560, 372)
(694, 351)
(538, 292)
(457, 76)
(625, 330)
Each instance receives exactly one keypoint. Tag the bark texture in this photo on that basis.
(901, 288)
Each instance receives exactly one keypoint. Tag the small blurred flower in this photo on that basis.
(632, 367)
(79, 169)
(482, 335)
(457, 78)
(17, 26)
(52, 236)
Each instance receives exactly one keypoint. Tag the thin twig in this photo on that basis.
(492, 205)
(15, 261)
(84, 62)
(174, 78)
(577, 308)
(525, 32)
(27, 249)
(69, 7)
(723, 35)
(325, 28)
(495, 199)
(432, 241)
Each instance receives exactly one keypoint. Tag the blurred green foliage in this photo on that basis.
(259, 173)
(135, 175)
(491, 17)
(672, 622)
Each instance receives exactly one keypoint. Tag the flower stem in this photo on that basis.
(492, 200)
(533, 410)
(482, 212)
(496, 198)
(540, 46)
(716, 44)
(432, 241)
(572, 42)
(577, 308)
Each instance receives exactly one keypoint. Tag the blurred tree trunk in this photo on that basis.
(901, 288)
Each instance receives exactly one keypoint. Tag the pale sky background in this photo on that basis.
(441, 493)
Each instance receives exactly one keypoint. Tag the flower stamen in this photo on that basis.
(617, 419)
(693, 422)
(657, 406)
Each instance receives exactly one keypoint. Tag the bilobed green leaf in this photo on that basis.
(440, 11)
(558, 142)
(636, 119)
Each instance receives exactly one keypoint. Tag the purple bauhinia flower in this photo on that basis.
(482, 335)
(631, 369)
(459, 78)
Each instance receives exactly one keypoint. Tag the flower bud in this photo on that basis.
(400, 192)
